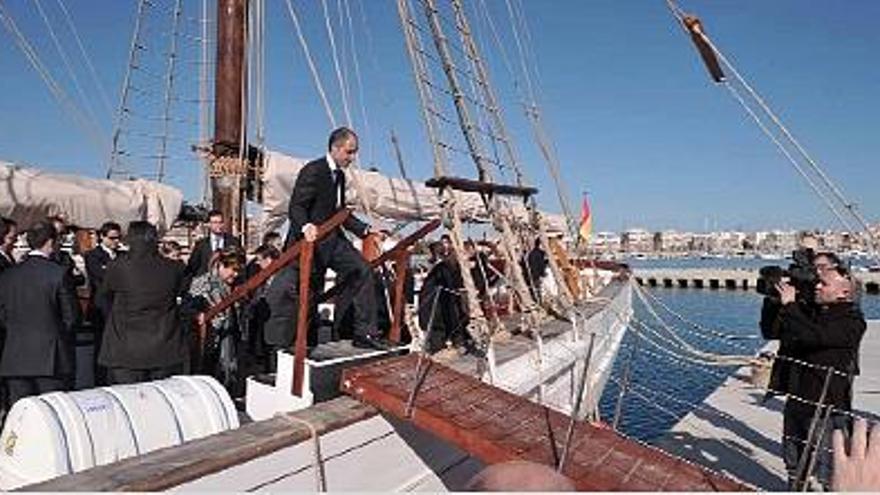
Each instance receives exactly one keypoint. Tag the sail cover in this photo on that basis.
(28, 195)
(396, 200)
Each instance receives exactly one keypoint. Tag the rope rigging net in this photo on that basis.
(163, 111)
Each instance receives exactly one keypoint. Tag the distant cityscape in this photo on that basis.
(770, 242)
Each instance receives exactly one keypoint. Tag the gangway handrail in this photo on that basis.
(393, 254)
(400, 255)
(304, 251)
(286, 258)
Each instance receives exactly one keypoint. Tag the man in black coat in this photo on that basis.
(8, 235)
(442, 314)
(143, 338)
(62, 255)
(828, 342)
(97, 261)
(39, 310)
(218, 238)
(318, 193)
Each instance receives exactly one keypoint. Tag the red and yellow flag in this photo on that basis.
(586, 225)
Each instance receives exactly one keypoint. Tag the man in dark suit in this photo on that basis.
(39, 310)
(62, 254)
(217, 239)
(8, 235)
(143, 338)
(97, 261)
(318, 193)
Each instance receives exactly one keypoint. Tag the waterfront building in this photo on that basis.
(605, 242)
(637, 241)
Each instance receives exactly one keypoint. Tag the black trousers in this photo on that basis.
(358, 293)
(123, 376)
(26, 386)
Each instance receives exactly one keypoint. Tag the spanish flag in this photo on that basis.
(586, 225)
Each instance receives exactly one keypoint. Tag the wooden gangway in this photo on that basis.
(497, 426)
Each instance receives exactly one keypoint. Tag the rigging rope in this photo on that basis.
(836, 192)
(794, 163)
(723, 335)
(62, 54)
(359, 83)
(311, 62)
(55, 89)
(115, 152)
(82, 49)
(333, 52)
(169, 88)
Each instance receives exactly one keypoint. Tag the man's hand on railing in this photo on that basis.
(310, 232)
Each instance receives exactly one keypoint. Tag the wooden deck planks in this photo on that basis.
(497, 426)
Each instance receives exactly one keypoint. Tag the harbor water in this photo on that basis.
(665, 387)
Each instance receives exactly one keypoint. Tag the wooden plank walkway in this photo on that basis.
(736, 433)
(497, 426)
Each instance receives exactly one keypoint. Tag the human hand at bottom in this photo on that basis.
(860, 469)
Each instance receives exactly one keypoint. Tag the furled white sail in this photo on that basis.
(386, 197)
(28, 194)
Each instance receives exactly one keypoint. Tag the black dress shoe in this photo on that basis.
(370, 342)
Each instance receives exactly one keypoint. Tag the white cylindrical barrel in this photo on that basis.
(60, 433)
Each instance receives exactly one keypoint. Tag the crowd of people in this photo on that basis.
(139, 298)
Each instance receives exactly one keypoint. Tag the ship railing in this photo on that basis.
(303, 252)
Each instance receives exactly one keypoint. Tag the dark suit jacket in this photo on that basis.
(831, 337)
(5, 263)
(314, 201)
(143, 329)
(96, 265)
(39, 310)
(200, 257)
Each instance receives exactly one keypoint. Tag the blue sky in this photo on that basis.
(630, 108)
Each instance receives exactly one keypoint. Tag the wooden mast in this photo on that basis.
(228, 164)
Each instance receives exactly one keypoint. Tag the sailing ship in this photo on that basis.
(556, 351)
(409, 422)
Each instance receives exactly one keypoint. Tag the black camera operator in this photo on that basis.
(802, 274)
(821, 328)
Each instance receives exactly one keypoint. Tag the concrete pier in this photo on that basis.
(735, 432)
(726, 279)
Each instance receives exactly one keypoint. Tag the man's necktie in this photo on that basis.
(339, 185)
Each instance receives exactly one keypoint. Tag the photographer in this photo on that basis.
(803, 275)
(825, 335)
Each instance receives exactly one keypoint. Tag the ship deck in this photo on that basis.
(519, 343)
(734, 432)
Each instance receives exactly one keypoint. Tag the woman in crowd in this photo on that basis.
(220, 346)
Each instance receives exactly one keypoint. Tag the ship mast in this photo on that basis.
(228, 165)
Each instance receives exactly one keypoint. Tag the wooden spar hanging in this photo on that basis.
(484, 188)
(695, 28)
(229, 94)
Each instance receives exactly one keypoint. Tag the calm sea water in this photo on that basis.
(665, 389)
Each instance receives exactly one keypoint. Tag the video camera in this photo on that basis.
(801, 274)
